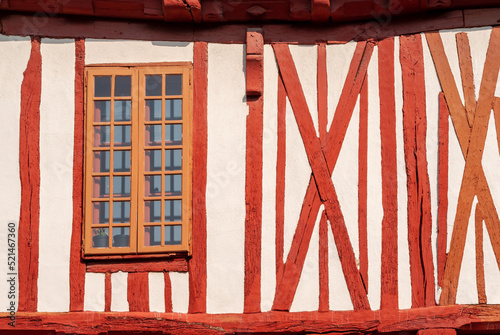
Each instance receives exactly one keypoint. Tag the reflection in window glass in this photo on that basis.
(152, 212)
(173, 184)
(121, 186)
(173, 109)
(153, 160)
(153, 110)
(121, 236)
(102, 86)
(153, 85)
(152, 235)
(101, 187)
(121, 161)
(173, 134)
(101, 136)
(123, 86)
(173, 84)
(121, 211)
(173, 210)
(101, 161)
(102, 111)
(173, 235)
(152, 186)
(122, 110)
(100, 212)
(122, 136)
(153, 135)
(173, 159)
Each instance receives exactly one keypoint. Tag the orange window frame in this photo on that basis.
(139, 173)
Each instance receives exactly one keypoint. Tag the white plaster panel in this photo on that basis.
(99, 51)
(340, 299)
(345, 179)
(305, 59)
(374, 188)
(307, 295)
(119, 296)
(404, 282)
(491, 271)
(479, 39)
(450, 48)
(297, 174)
(268, 270)
(15, 53)
(57, 112)
(467, 286)
(180, 291)
(338, 60)
(157, 292)
(227, 111)
(432, 89)
(94, 292)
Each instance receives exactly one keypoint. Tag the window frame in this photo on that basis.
(137, 149)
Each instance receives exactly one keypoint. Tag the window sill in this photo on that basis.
(137, 263)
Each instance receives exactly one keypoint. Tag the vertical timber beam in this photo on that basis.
(253, 178)
(77, 267)
(138, 291)
(442, 239)
(363, 183)
(198, 261)
(419, 206)
(389, 273)
(29, 166)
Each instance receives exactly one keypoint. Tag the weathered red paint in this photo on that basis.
(442, 238)
(417, 181)
(138, 291)
(168, 292)
(437, 331)
(324, 289)
(77, 266)
(198, 261)
(280, 180)
(287, 284)
(363, 183)
(29, 167)
(467, 75)
(322, 176)
(107, 292)
(253, 176)
(481, 289)
(389, 272)
(137, 265)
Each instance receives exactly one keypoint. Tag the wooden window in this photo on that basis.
(138, 159)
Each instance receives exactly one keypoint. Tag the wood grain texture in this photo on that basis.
(363, 183)
(107, 292)
(324, 289)
(138, 291)
(472, 170)
(77, 266)
(467, 75)
(280, 180)
(496, 115)
(137, 265)
(418, 187)
(29, 167)
(480, 283)
(198, 261)
(168, 292)
(442, 238)
(389, 272)
(322, 88)
(322, 175)
(459, 119)
(253, 178)
(287, 285)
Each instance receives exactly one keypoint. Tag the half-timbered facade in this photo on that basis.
(249, 167)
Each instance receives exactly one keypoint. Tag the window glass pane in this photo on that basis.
(121, 186)
(173, 210)
(173, 134)
(102, 86)
(102, 111)
(153, 135)
(100, 187)
(152, 187)
(121, 236)
(153, 160)
(173, 159)
(122, 110)
(100, 237)
(173, 84)
(101, 161)
(121, 211)
(153, 110)
(152, 212)
(101, 136)
(121, 161)
(173, 184)
(173, 235)
(122, 86)
(122, 136)
(173, 109)
(153, 85)
(100, 212)
(152, 235)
